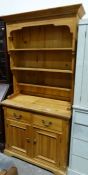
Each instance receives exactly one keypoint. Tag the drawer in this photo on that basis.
(80, 148)
(81, 118)
(80, 132)
(47, 122)
(18, 115)
(79, 164)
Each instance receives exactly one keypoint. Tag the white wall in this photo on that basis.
(16, 6)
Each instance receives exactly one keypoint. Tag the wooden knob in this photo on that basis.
(34, 141)
(28, 140)
(17, 117)
(46, 123)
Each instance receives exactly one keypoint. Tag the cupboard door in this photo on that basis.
(18, 137)
(46, 146)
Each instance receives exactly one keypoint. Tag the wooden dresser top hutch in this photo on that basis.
(42, 48)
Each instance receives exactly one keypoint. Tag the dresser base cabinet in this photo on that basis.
(37, 130)
(36, 138)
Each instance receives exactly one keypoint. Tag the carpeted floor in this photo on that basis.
(25, 168)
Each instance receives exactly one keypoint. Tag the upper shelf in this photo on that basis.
(42, 70)
(41, 49)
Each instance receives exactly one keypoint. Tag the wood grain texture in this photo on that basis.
(56, 108)
(40, 139)
(42, 51)
(45, 48)
(70, 10)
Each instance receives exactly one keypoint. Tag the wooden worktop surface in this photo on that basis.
(48, 106)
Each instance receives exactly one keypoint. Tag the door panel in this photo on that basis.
(18, 137)
(46, 146)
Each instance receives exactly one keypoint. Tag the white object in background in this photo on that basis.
(78, 163)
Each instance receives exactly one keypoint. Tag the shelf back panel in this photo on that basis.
(44, 78)
(43, 59)
(45, 91)
(41, 37)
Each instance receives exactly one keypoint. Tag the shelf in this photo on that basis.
(42, 70)
(48, 87)
(41, 49)
(46, 91)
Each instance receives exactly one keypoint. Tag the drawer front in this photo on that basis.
(80, 132)
(79, 164)
(18, 115)
(47, 122)
(81, 118)
(80, 148)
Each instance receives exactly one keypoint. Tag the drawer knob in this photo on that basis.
(34, 141)
(17, 116)
(28, 140)
(46, 123)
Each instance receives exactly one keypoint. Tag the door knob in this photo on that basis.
(34, 141)
(28, 140)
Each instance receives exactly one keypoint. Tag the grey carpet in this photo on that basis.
(25, 168)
